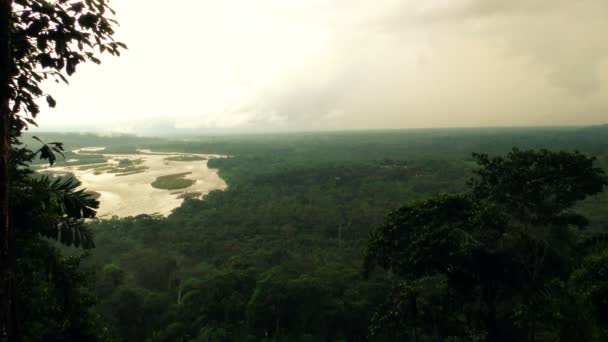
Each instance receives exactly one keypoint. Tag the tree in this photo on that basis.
(39, 40)
(503, 250)
(53, 299)
(590, 283)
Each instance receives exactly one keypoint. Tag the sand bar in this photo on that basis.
(131, 194)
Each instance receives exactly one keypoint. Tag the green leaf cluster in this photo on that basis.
(49, 40)
(504, 251)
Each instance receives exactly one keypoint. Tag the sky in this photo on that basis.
(282, 65)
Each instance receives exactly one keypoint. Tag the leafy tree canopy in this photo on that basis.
(507, 245)
(49, 40)
(40, 40)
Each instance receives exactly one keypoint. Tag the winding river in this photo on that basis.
(131, 193)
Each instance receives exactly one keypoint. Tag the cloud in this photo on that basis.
(350, 64)
(561, 38)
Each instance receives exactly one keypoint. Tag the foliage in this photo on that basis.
(538, 186)
(285, 242)
(54, 300)
(49, 40)
(185, 158)
(44, 40)
(503, 249)
(57, 296)
(48, 152)
(173, 182)
(589, 285)
(420, 238)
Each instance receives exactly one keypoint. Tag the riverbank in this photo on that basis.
(124, 181)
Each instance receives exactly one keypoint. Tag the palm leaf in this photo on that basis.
(48, 151)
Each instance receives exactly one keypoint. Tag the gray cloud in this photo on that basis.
(313, 64)
(485, 62)
(562, 38)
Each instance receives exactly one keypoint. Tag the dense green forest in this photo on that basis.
(494, 234)
(279, 255)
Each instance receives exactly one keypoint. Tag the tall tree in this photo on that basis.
(499, 252)
(7, 275)
(39, 40)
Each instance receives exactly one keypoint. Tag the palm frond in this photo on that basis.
(61, 211)
(75, 203)
(70, 232)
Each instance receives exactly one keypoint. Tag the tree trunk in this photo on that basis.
(489, 298)
(179, 293)
(8, 324)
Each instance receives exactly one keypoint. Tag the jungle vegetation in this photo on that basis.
(41, 41)
(353, 236)
(404, 235)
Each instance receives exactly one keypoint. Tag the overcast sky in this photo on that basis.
(345, 64)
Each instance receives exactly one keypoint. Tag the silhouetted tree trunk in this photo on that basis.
(8, 322)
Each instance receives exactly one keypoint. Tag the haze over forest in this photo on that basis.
(429, 170)
(326, 65)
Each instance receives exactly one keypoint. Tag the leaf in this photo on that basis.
(70, 68)
(77, 7)
(30, 121)
(46, 153)
(63, 78)
(51, 101)
(42, 43)
(88, 20)
(58, 145)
